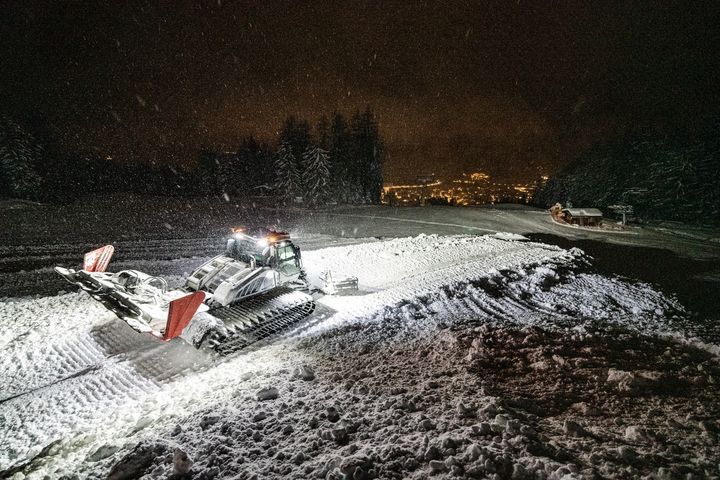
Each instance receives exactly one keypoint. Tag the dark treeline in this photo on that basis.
(660, 176)
(337, 161)
(34, 169)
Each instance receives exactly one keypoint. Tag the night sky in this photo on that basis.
(514, 88)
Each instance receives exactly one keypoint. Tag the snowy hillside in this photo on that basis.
(462, 355)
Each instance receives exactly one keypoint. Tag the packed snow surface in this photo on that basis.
(391, 382)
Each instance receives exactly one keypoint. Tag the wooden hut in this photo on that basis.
(586, 217)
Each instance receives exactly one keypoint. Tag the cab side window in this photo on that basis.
(286, 254)
(287, 260)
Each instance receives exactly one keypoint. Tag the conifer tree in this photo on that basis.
(19, 154)
(367, 156)
(342, 183)
(322, 133)
(316, 176)
(287, 177)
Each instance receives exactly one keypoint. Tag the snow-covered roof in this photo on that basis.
(583, 212)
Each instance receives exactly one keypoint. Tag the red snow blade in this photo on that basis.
(98, 260)
(181, 312)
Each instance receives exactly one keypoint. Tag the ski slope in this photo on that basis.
(76, 378)
(79, 389)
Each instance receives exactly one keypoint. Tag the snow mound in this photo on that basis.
(510, 236)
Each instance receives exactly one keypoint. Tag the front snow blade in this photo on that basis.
(343, 286)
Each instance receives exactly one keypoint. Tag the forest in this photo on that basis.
(340, 160)
(662, 177)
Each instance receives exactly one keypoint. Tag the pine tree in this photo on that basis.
(355, 166)
(296, 133)
(19, 153)
(316, 176)
(255, 167)
(207, 172)
(322, 133)
(342, 184)
(367, 156)
(228, 175)
(287, 177)
(375, 174)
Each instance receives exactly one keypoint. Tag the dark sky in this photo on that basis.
(506, 86)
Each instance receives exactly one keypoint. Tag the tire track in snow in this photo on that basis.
(88, 369)
(85, 383)
(13, 259)
(82, 403)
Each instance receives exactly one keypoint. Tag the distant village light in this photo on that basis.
(470, 189)
(479, 176)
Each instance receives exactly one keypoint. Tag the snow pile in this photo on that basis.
(510, 236)
(471, 276)
(385, 264)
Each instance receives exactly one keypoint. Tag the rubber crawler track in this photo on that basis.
(257, 318)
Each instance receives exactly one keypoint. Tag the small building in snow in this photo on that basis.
(586, 217)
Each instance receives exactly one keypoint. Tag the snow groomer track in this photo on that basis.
(74, 377)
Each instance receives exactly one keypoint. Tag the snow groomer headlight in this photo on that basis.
(237, 232)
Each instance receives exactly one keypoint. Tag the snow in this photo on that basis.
(398, 395)
(461, 355)
(69, 229)
(510, 236)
